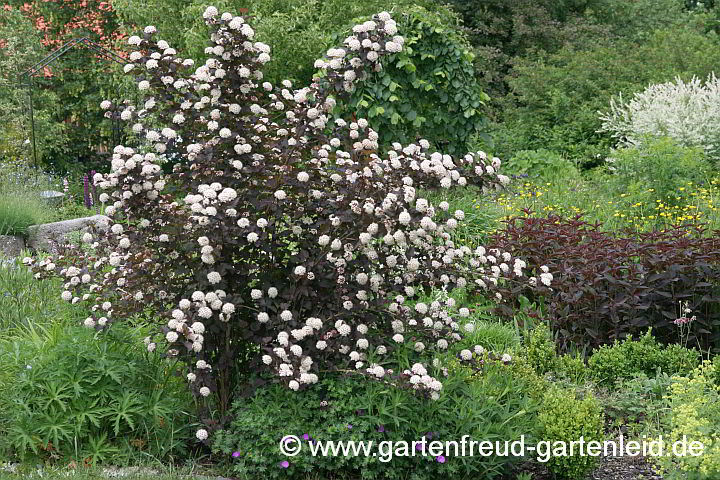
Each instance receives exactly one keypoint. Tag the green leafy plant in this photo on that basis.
(540, 349)
(582, 81)
(644, 356)
(71, 395)
(565, 418)
(542, 163)
(657, 165)
(638, 405)
(492, 405)
(426, 90)
(694, 407)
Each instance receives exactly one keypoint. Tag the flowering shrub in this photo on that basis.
(684, 111)
(283, 241)
(606, 287)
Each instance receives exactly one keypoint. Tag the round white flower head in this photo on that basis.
(280, 195)
(210, 12)
(201, 434)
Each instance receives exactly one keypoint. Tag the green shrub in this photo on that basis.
(535, 385)
(565, 418)
(426, 90)
(658, 164)
(73, 393)
(540, 349)
(541, 162)
(630, 358)
(694, 403)
(491, 405)
(545, 89)
(572, 368)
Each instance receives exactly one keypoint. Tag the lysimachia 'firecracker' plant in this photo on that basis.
(283, 240)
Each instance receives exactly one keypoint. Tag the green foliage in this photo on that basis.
(542, 163)
(21, 48)
(71, 393)
(490, 406)
(19, 211)
(540, 349)
(639, 404)
(694, 409)
(659, 164)
(535, 385)
(70, 130)
(501, 30)
(20, 201)
(639, 18)
(25, 301)
(555, 98)
(572, 368)
(565, 418)
(427, 90)
(631, 358)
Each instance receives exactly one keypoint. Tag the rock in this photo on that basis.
(42, 237)
(11, 246)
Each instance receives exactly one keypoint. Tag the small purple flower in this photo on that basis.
(306, 437)
(418, 447)
(440, 459)
(235, 454)
(285, 464)
(381, 428)
(429, 435)
(349, 426)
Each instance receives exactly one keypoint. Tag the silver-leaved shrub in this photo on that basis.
(687, 112)
(282, 240)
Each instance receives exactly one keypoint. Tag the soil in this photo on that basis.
(609, 468)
